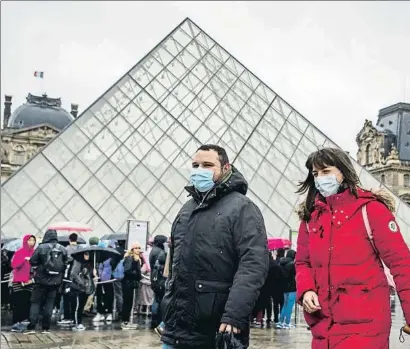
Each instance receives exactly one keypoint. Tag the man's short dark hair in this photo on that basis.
(223, 156)
(73, 237)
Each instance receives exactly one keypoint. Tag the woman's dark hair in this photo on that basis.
(324, 158)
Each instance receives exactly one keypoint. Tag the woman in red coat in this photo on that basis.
(340, 280)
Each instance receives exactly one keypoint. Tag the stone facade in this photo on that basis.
(378, 153)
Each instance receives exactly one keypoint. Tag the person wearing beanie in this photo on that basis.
(93, 241)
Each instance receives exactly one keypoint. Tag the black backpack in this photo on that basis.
(54, 264)
(157, 278)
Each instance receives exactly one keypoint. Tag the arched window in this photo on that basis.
(368, 155)
(406, 180)
(19, 155)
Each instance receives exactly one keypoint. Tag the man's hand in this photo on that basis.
(229, 328)
(406, 329)
(27, 258)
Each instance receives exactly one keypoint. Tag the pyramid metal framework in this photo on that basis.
(128, 155)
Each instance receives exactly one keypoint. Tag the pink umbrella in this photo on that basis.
(275, 243)
(70, 226)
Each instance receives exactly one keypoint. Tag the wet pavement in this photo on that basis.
(111, 336)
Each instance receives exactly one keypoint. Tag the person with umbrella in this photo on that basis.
(82, 285)
(22, 282)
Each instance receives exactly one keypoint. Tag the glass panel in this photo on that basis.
(162, 198)
(291, 133)
(282, 107)
(110, 176)
(280, 206)
(167, 79)
(190, 121)
(58, 217)
(225, 112)
(274, 118)
(133, 114)
(129, 87)
(40, 209)
(258, 104)
(250, 115)
(94, 192)
(21, 188)
(233, 139)
(141, 75)
(88, 124)
(74, 138)
(190, 28)
(193, 83)
(251, 80)
(76, 173)
(40, 170)
(128, 195)
(173, 180)
(205, 135)
(243, 167)
(368, 181)
(204, 40)
(98, 225)
(114, 213)
(196, 50)
(266, 93)
(77, 210)
(317, 137)
(299, 158)
(269, 173)
(124, 160)
(8, 207)
(277, 158)
(146, 211)
(267, 130)
(357, 167)
(216, 125)
(187, 59)
(107, 142)
(285, 146)
(202, 73)
(261, 188)
(218, 87)
(155, 162)
(255, 199)
(145, 103)
(19, 225)
(177, 69)
(174, 209)
(163, 56)
(182, 93)
(307, 147)
(172, 46)
(228, 79)
(234, 101)
(173, 105)
(142, 178)
(274, 225)
(150, 131)
(57, 153)
(92, 157)
(137, 145)
(252, 157)
(58, 190)
(116, 98)
(242, 127)
(153, 66)
(295, 173)
(103, 111)
(234, 66)
(164, 228)
(298, 121)
(183, 164)
(167, 148)
(200, 110)
(220, 54)
(120, 128)
(287, 189)
(403, 212)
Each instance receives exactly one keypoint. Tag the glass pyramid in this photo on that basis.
(128, 155)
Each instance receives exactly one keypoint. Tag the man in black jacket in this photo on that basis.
(50, 259)
(219, 256)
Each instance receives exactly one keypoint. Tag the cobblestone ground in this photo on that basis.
(111, 336)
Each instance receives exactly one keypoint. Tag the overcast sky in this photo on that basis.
(336, 63)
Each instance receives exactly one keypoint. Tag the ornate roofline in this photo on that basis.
(395, 107)
(44, 101)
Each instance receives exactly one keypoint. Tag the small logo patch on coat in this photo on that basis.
(393, 226)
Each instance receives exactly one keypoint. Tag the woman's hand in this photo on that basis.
(311, 302)
(406, 329)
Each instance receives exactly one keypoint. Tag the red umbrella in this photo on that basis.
(275, 243)
(70, 226)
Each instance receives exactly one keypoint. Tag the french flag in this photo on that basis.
(39, 74)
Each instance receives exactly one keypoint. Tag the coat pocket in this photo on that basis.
(352, 305)
(210, 299)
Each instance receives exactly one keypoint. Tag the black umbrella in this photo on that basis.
(6, 240)
(97, 253)
(116, 236)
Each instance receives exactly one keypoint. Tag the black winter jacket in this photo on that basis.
(132, 272)
(287, 265)
(219, 262)
(39, 258)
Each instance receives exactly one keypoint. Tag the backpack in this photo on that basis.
(54, 264)
(387, 272)
(157, 278)
(118, 272)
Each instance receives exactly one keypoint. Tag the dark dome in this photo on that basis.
(40, 110)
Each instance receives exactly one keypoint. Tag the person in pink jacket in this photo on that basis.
(22, 282)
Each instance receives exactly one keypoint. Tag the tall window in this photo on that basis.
(383, 178)
(19, 155)
(406, 178)
(368, 155)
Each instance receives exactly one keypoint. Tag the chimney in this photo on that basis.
(7, 110)
(74, 110)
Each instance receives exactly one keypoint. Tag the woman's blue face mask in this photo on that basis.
(327, 185)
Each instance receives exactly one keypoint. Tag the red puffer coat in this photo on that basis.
(336, 260)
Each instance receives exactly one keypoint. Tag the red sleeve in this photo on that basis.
(18, 260)
(392, 250)
(304, 277)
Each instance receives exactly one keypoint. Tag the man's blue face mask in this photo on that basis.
(202, 179)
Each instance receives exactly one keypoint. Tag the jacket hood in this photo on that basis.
(381, 195)
(160, 240)
(50, 236)
(25, 240)
(290, 257)
(236, 182)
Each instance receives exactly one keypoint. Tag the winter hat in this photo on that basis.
(93, 240)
